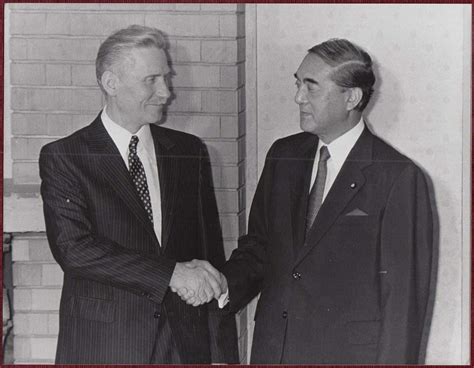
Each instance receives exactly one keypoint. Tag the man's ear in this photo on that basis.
(109, 81)
(353, 98)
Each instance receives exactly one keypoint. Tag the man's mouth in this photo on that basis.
(159, 105)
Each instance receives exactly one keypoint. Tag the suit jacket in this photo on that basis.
(116, 275)
(356, 290)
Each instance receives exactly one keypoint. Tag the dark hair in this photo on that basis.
(112, 50)
(352, 66)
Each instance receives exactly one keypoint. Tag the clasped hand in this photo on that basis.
(197, 282)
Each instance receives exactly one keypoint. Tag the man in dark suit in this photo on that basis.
(128, 205)
(340, 231)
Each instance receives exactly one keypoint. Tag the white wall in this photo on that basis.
(422, 57)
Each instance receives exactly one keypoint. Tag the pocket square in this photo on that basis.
(357, 212)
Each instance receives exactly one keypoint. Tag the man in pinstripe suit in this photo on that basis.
(128, 206)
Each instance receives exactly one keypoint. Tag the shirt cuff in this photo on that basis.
(223, 299)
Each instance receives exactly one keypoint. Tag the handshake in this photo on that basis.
(197, 282)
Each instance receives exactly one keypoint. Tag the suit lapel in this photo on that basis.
(112, 168)
(348, 182)
(300, 179)
(169, 171)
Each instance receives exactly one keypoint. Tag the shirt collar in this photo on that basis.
(122, 136)
(340, 147)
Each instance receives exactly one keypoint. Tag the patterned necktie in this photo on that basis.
(137, 172)
(317, 191)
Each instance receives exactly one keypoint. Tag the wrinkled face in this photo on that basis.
(323, 104)
(142, 88)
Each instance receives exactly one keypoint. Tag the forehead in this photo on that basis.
(314, 67)
(148, 60)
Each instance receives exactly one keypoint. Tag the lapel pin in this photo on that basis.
(353, 185)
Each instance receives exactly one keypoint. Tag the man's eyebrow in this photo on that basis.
(159, 74)
(305, 80)
(310, 80)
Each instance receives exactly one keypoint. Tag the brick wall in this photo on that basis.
(52, 49)
(37, 279)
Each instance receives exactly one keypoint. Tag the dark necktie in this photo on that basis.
(317, 191)
(137, 172)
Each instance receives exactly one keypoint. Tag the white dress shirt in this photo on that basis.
(146, 153)
(339, 150)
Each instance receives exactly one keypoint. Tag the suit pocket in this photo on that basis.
(93, 309)
(353, 220)
(363, 332)
(86, 288)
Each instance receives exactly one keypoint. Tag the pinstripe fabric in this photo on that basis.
(165, 349)
(116, 276)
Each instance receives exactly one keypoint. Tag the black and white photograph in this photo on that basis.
(210, 183)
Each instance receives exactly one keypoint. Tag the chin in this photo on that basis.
(308, 126)
(154, 118)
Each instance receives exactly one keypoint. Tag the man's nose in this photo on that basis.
(162, 90)
(300, 96)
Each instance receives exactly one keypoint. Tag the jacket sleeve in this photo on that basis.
(406, 259)
(79, 250)
(222, 327)
(246, 268)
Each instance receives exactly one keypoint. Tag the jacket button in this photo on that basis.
(296, 275)
(157, 315)
(284, 314)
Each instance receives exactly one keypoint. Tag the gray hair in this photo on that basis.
(113, 50)
(352, 66)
